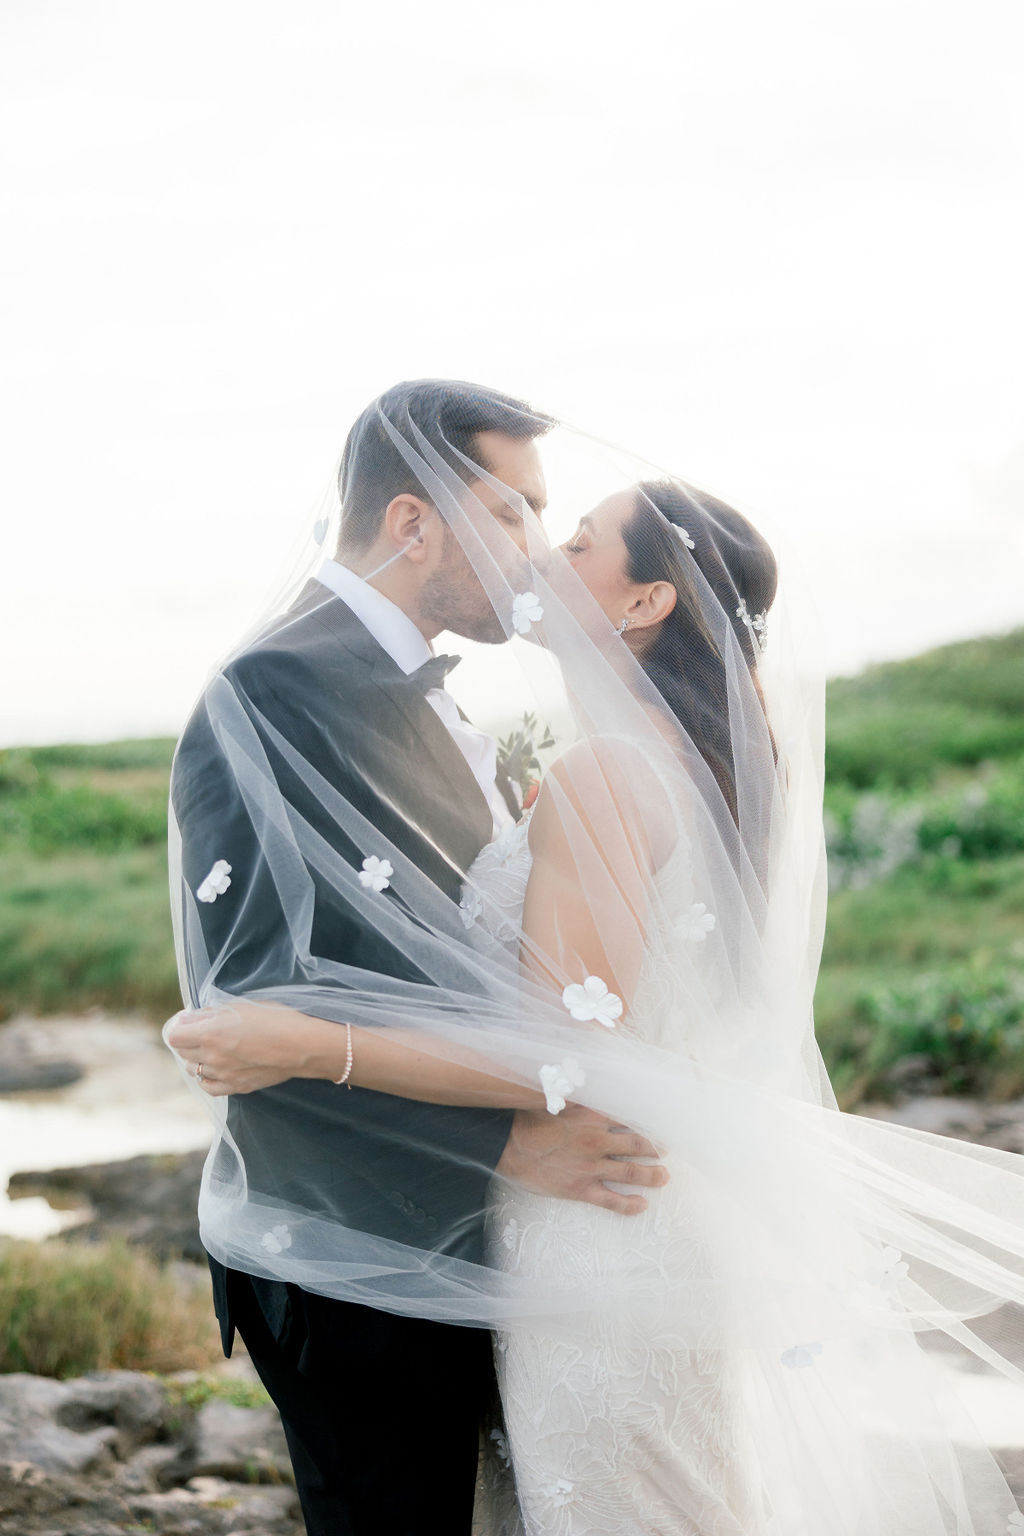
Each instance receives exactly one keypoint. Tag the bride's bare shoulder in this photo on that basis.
(608, 789)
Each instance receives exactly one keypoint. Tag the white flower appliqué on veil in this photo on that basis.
(376, 874)
(526, 612)
(470, 907)
(698, 923)
(800, 1356)
(558, 1080)
(593, 1000)
(277, 1239)
(887, 1270)
(216, 882)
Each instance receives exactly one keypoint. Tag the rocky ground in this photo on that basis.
(989, 1125)
(28, 1064)
(117, 1452)
(150, 1200)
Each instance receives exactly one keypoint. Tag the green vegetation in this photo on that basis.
(192, 1391)
(84, 915)
(924, 954)
(70, 1308)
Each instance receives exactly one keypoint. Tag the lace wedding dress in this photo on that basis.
(621, 1427)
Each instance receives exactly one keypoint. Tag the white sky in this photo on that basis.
(777, 247)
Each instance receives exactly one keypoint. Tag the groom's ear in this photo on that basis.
(404, 520)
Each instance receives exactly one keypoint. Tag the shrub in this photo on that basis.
(897, 724)
(874, 839)
(66, 1309)
(53, 818)
(112, 756)
(966, 1024)
(884, 743)
(981, 821)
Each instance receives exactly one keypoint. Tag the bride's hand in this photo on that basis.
(241, 1046)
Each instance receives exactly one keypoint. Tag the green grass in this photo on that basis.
(82, 929)
(198, 1390)
(66, 1309)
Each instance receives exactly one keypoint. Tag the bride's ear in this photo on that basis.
(655, 603)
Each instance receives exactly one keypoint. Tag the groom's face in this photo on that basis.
(453, 595)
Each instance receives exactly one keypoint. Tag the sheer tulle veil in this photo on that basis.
(860, 1273)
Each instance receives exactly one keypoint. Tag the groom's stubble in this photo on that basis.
(453, 596)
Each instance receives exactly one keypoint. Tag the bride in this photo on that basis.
(741, 1358)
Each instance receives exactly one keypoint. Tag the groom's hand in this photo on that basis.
(572, 1155)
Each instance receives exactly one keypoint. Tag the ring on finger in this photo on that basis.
(199, 1071)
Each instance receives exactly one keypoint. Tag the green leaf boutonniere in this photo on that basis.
(517, 754)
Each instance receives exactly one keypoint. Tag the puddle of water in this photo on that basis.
(131, 1100)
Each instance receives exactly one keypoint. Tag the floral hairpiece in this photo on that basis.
(757, 626)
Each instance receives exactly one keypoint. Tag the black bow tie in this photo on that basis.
(433, 672)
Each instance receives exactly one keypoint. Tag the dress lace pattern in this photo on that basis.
(624, 1428)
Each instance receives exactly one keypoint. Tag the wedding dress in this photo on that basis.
(616, 1428)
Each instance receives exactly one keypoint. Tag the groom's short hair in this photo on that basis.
(450, 415)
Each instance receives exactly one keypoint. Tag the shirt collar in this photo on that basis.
(392, 628)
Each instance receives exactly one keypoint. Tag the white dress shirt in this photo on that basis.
(396, 633)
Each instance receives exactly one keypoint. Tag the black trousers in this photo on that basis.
(382, 1413)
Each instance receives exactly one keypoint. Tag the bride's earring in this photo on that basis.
(623, 626)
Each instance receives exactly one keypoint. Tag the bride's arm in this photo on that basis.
(585, 916)
(244, 1046)
(597, 835)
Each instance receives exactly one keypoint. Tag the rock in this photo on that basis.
(134, 1404)
(240, 1444)
(149, 1470)
(990, 1125)
(150, 1200)
(30, 1429)
(111, 1453)
(38, 1076)
(264, 1507)
(177, 1513)
(915, 1074)
(27, 1066)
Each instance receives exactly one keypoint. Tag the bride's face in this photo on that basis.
(598, 554)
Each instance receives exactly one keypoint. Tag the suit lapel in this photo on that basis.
(440, 753)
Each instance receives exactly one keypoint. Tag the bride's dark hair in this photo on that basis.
(684, 660)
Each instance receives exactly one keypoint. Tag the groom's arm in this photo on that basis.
(246, 938)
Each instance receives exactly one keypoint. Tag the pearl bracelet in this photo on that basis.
(348, 1059)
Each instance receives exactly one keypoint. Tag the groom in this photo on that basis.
(381, 1411)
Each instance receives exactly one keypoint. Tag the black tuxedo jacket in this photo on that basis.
(394, 1167)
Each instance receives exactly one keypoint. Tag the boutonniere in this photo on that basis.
(517, 754)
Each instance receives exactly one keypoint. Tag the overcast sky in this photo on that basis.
(777, 247)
